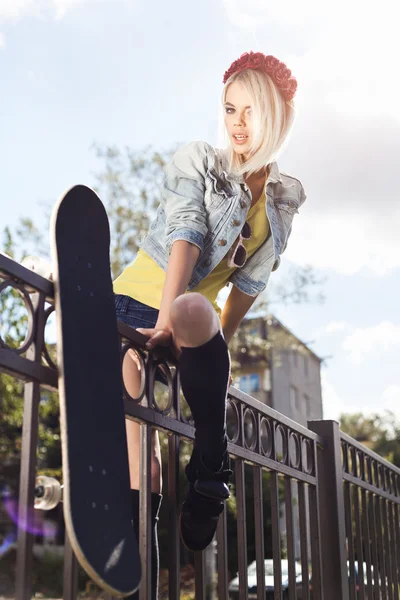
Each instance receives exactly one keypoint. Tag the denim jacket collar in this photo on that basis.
(273, 177)
(274, 174)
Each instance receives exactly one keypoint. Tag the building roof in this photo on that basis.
(275, 322)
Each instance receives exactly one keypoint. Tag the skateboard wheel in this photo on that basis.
(38, 265)
(48, 492)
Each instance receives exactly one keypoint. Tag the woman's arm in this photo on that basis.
(182, 260)
(183, 196)
(236, 307)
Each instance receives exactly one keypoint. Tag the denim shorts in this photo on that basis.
(134, 313)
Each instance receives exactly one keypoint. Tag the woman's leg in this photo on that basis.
(132, 378)
(204, 373)
(136, 314)
(195, 323)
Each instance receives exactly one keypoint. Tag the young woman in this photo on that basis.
(225, 217)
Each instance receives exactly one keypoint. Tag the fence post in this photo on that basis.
(332, 511)
(30, 427)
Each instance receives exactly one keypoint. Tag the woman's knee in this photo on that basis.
(194, 320)
(131, 373)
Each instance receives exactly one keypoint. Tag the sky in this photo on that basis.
(132, 73)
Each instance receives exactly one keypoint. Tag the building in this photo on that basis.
(285, 376)
(277, 368)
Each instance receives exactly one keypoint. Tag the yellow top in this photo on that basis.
(144, 280)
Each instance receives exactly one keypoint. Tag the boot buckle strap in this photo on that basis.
(218, 490)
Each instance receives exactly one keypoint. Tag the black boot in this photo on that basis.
(155, 508)
(204, 502)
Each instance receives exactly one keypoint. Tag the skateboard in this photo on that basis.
(96, 490)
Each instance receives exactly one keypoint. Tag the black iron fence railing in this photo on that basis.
(371, 501)
(331, 504)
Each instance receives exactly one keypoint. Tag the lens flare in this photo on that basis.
(32, 521)
(8, 541)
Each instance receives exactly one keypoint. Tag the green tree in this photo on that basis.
(13, 326)
(379, 431)
(130, 186)
(13, 329)
(364, 429)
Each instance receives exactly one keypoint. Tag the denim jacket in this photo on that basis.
(207, 206)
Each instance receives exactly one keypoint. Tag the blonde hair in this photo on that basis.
(272, 121)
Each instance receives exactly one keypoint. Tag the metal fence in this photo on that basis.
(333, 505)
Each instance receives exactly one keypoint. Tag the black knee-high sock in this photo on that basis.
(155, 561)
(205, 372)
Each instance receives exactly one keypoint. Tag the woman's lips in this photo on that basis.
(240, 138)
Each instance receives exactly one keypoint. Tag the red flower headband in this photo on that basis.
(281, 75)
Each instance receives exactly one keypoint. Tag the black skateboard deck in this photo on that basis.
(97, 504)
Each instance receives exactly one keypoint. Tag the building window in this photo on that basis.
(249, 383)
(307, 406)
(267, 384)
(294, 401)
(305, 365)
(295, 357)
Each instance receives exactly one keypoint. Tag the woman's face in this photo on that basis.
(237, 108)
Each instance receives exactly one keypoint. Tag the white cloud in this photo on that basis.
(14, 10)
(380, 338)
(349, 171)
(334, 326)
(331, 401)
(250, 14)
(333, 404)
(346, 140)
(347, 243)
(2, 40)
(61, 7)
(391, 399)
(331, 328)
